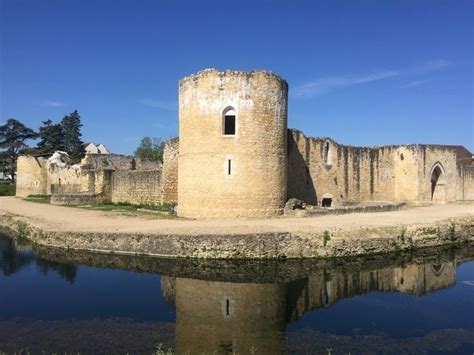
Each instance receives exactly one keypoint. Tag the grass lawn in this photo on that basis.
(7, 189)
(160, 211)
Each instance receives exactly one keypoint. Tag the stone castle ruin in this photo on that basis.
(235, 157)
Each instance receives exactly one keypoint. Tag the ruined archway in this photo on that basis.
(437, 180)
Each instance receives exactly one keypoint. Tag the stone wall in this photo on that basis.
(117, 162)
(232, 175)
(319, 168)
(466, 178)
(169, 182)
(31, 176)
(67, 180)
(429, 157)
(137, 187)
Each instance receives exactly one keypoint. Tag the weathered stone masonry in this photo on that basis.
(235, 158)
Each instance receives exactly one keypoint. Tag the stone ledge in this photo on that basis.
(267, 245)
(313, 211)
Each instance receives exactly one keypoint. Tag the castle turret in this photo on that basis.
(233, 144)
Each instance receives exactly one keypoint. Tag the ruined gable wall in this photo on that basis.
(67, 180)
(353, 174)
(170, 172)
(31, 176)
(118, 162)
(428, 156)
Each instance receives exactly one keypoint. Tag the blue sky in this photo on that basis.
(363, 72)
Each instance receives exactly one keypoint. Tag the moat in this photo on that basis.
(54, 300)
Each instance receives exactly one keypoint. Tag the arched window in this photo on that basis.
(437, 183)
(229, 122)
(327, 153)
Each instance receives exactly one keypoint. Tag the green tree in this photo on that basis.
(52, 137)
(71, 127)
(13, 137)
(150, 148)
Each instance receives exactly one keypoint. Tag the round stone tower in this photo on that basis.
(232, 144)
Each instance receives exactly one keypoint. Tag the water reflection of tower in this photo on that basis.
(236, 317)
(228, 317)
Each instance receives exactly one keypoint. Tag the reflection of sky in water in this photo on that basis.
(437, 297)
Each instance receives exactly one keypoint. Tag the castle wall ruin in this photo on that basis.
(235, 158)
(320, 170)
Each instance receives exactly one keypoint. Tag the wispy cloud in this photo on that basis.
(326, 84)
(430, 66)
(330, 83)
(414, 83)
(52, 103)
(164, 105)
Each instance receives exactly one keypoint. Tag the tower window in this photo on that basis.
(229, 167)
(229, 122)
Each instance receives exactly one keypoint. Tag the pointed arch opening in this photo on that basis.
(437, 181)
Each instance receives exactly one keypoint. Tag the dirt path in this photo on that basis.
(57, 218)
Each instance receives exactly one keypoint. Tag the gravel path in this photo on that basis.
(58, 218)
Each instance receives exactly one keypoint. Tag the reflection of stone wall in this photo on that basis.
(326, 288)
(229, 317)
(214, 316)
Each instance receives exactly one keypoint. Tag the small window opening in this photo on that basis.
(59, 182)
(229, 124)
(229, 167)
(327, 153)
(227, 307)
(327, 202)
(133, 164)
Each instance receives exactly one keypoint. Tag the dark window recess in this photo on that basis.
(227, 306)
(327, 202)
(229, 167)
(229, 125)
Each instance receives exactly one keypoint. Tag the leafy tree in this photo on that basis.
(52, 137)
(13, 137)
(150, 148)
(72, 143)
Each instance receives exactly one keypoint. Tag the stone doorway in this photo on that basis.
(438, 185)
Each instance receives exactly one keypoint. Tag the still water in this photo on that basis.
(63, 301)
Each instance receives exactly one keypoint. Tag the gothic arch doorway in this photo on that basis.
(438, 184)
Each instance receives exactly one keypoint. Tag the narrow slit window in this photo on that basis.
(229, 167)
(229, 125)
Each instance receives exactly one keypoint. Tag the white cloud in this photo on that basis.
(326, 84)
(165, 105)
(430, 66)
(52, 103)
(414, 83)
